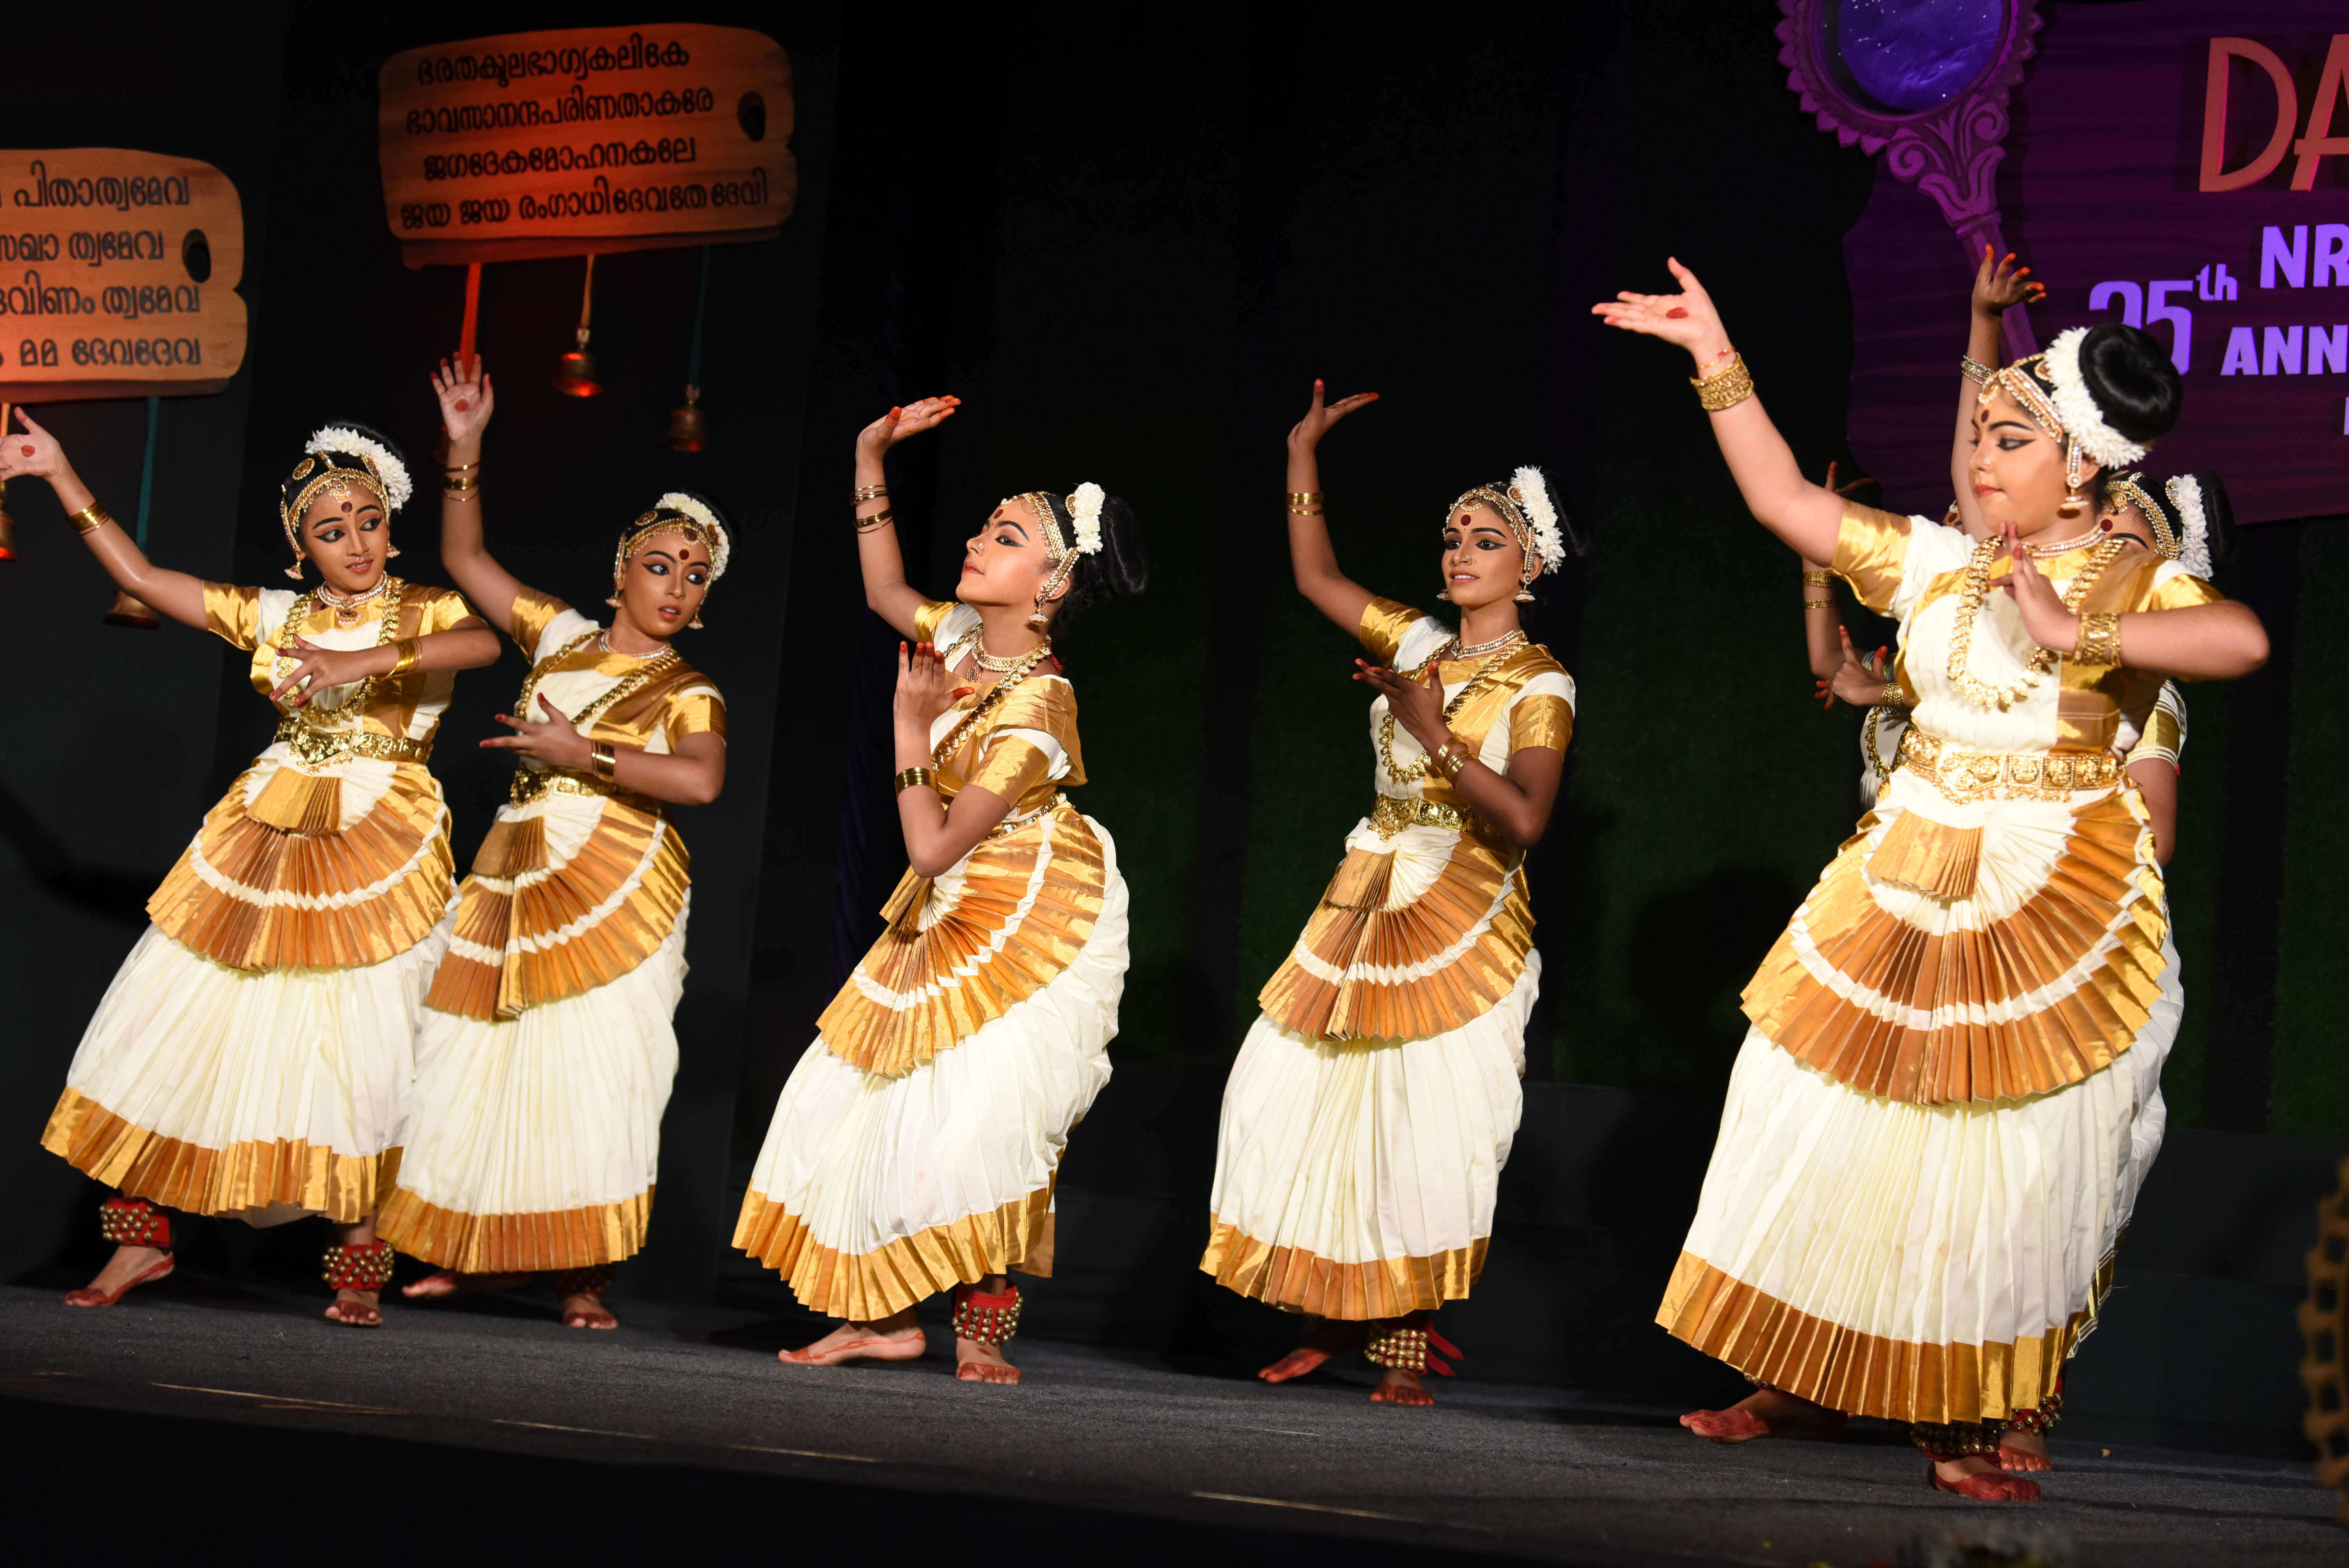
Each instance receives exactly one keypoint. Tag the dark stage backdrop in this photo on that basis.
(1129, 237)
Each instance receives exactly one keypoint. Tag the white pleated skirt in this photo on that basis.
(257, 1095)
(873, 1192)
(535, 1141)
(1356, 1179)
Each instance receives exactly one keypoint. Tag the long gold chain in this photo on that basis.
(306, 606)
(986, 702)
(626, 685)
(1418, 770)
(1981, 693)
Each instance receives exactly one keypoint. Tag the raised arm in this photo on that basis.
(1333, 592)
(1999, 287)
(1808, 516)
(887, 591)
(467, 400)
(31, 452)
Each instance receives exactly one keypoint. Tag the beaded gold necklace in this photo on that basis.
(390, 588)
(1021, 669)
(1418, 770)
(2002, 696)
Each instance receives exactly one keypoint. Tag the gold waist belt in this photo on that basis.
(1393, 813)
(529, 784)
(318, 748)
(1963, 775)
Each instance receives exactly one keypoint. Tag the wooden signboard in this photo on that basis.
(585, 140)
(118, 275)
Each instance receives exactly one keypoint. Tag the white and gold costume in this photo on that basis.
(916, 1144)
(1937, 1124)
(547, 1051)
(253, 1056)
(1373, 1102)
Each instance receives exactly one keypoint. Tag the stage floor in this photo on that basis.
(203, 1386)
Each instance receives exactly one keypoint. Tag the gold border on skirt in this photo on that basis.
(515, 1244)
(1866, 1373)
(1298, 1281)
(345, 1188)
(863, 1286)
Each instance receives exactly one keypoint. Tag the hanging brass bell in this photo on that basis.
(576, 376)
(686, 432)
(131, 613)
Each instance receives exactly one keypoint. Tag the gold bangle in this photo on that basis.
(878, 521)
(914, 776)
(1818, 603)
(452, 485)
(1893, 696)
(1975, 370)
(411, 650)
(461, 468)
(867, 492)
(1817, 579)
(1305, 511)
(1725, 387)
(1304, 498)
(606, 762)
(2100, 642)
(90, 519)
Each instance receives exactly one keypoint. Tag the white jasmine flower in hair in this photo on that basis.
(2076, 406)
(396, 487)
(721, 545)
(1533, 493)
(1085, 510)
(2194, 525)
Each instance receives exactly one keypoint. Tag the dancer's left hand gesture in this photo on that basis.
(1417, 707)
(317, 668)
(1687, 318)
(553, 740)
(2043, 617)
(926, 688)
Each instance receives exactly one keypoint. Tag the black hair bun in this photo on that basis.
(1118, 570)
(2129, 373)
(1571, 529)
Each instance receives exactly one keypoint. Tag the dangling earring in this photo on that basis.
(1040, 620)
(391, 552)
(695, 624)
(614, 600)
(294, 571)
(1444, 595)
(1525, 590)
(2074, 503)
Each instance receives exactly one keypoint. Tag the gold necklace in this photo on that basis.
(2080, 542)
(346, 611)
(389, 590)
(1450, 709)
(1983, 694)
(968, 643)
(1022, 667)
(1508, 639)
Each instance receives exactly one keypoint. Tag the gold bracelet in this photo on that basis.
(1725, 387)
(1893, 696)
(1818, 603)
(606, 762)
(878, 522)
(914, 776)
(411, 650)
(452, 485)
(90, 519)
(2100, 641)
(867, 492)
(461, 468)
(1305, 511)
(1817, 579)
(1303, 498)
(1975, 370)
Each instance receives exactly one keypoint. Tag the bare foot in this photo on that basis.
(1326, 1338)
(2022, 1452)
(1295, 1364)
(1766, 1413)
(584, 1309)
(128, 1266)
(1976, 1478)
(355, 1308)
(449, 1282)
(1397, 1386)
(979, 1363)
(896, 1338)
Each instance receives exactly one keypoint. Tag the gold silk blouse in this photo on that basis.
(331, 850)
(578, 881)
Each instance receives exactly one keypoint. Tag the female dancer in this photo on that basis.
(915, 1146)
(252, 1057)
(547, 1053)
(1929, 1136)
(1373, 1102)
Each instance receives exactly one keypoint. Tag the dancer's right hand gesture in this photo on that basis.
(1687, 318)
(1308, 432)
(2000, 285)
(467, 399)
(31, 452)
(897, 424)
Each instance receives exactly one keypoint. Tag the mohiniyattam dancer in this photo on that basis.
(1928, 1144)
(1373, 1102)
(548, 1050)
(915, 1146)
(252, 1058)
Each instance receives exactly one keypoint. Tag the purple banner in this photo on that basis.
(2181, 167)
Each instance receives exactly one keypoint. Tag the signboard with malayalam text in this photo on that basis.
(118, 275)
(585, 139)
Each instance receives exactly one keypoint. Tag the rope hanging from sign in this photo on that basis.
(128, 611)
(576, 376)
(687, 433)
(7, 523)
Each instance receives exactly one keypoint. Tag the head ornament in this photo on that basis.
(1525, 505)
(2128, 491)
(340, 458)
(2185, 493)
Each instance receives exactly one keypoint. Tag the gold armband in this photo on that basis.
(1725, 387)
(2100, 641)
(1818, 603)
(90, 519)
(1817, 579)
(411, 650)
(914, 775)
